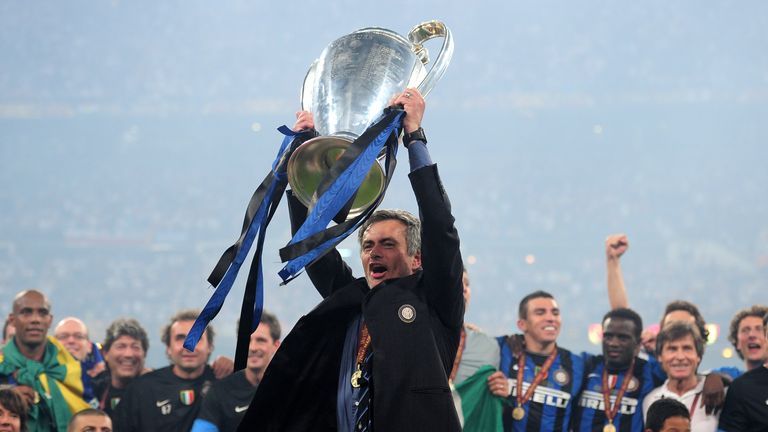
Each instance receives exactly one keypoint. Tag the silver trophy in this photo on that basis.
(348, 87)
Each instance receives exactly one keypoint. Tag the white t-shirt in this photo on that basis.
(700, 421)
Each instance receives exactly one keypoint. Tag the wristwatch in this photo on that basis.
(418, 134)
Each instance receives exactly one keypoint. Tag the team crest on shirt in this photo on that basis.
(113, 402)
(206, 386)
(633, 385)
(187, 397)
(407, 313)
(561, 376)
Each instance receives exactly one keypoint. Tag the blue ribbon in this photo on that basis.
(257, 225)
(329, 203)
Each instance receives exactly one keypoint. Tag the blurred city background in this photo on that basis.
(132, 135)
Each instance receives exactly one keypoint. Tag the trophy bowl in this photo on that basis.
(347, 88)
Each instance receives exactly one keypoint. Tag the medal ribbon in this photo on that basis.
(610, 411)
(460, 351)
(536, 380)
(693, 405)
(363, 342)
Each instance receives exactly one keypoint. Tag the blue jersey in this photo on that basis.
(551, 405)
(731, 371)
(589, 413)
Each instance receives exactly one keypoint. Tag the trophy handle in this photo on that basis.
(308, 87)
(422, 33)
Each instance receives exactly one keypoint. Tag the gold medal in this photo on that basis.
(362, 347)
(612, 410)
(356, 378)
(518, 413)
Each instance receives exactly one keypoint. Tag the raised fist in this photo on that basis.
(616, 245)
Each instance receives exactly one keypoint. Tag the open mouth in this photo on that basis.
(377, 271)
(127, 362)
(754, 348)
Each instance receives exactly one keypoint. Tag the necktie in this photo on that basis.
(363, 414)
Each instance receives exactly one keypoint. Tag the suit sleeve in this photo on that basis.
(328, 273)
(440, 255)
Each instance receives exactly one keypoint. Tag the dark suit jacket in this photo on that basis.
(411, 361)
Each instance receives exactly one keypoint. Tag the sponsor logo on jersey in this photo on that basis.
(239, 409)
(165, 406)
(594, 400)
(543, 395)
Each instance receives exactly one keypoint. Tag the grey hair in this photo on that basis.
(411, 222)
(676, 331)
(126, 327)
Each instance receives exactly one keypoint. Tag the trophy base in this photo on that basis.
(310, 163)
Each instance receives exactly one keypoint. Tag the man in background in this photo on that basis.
(746, 406)
(747, 335)
(32, 357)
(225, 404)
(90, 420)
(125, 350)
(169, 399)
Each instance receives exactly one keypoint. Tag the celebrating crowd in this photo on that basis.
(67, 382)
(389, 351)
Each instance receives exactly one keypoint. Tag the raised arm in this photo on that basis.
(330, 272)
(441, 259)
(615, 246)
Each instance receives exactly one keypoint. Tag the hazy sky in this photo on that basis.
(133, 133)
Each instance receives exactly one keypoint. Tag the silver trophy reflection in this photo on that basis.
(348, 87)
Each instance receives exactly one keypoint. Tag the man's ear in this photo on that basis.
(522, 325)
(416, 263)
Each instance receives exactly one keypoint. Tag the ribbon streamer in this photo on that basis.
(260, 210)
(313, 240)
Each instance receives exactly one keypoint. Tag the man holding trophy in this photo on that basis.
(376, 352)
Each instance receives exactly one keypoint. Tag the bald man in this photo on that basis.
(90, 420)
(73, 334)
(39, 367)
